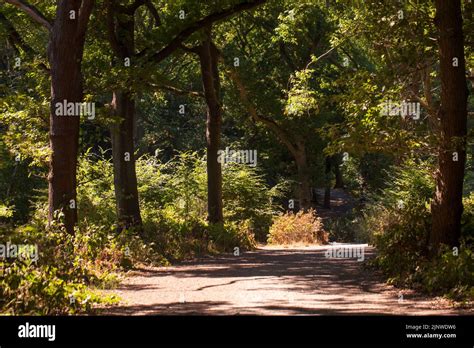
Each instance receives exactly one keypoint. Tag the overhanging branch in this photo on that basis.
(13, 37)
(280, 132)
(206, 21)
(32, 11)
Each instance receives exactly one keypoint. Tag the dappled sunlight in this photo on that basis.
(268, 281)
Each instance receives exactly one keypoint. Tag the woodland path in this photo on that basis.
(269, 281)
(272, 281)
(341, 204)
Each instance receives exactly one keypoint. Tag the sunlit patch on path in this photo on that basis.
(270, 281)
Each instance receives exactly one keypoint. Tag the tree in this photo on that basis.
(446, 207)
(65, 49)
(287, 98)
(121, 33)
(208, 59)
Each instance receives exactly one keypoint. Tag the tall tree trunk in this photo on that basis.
(208, 57)
(327, 179)
(303, 177)
(446, 207)
(65, 52)
(125, 176)
(122, 40)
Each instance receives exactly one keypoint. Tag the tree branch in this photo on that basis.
(208, 20)
(110, 15)
(130, 10)
(281, 134)
(17, 42)
(13, 37)
(84, 14)
(32, 11)
(194, 50)
(153, 12)
(177, 90)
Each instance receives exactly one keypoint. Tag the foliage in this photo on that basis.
(66, 267)
(399, 219)
(300, 228)
(398, 222)
(317, 72)
(232, 235)
(450, 273)
(467, 221)
(248, 199)
(173, 205)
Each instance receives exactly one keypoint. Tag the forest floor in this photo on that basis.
(294, 280)
(270, 281)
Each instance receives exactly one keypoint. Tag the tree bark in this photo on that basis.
(447, 207)
(303, 177)
(208, 57)
(65, 52)
(125, 176)
(122, 40)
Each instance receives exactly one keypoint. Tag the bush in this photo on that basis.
(247, 199)
(232, 235)
(467, 221)
(451, 273)
(349, 228)
(398, 222)
(173, 206)
(173, 201)
(40, 290)
(299, 228)
(95, 191)
(67, 266)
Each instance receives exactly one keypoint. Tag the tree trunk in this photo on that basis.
(327, 189)
(303, 177)
(446, 207)
(65, 52)
(121, 37)
(208, 58)
(125, 176)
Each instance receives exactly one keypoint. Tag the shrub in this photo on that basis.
(248, 199)
(349, 228)
(451, 273)
(67, 266)
(232, 235)
(398, 222)
(467, 221)
(95, 191)
(299, 228)
(31, 289)
(173, 201)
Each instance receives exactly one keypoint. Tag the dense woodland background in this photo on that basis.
(302, 82)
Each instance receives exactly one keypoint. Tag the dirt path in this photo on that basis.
(341, 204)
(269, 281)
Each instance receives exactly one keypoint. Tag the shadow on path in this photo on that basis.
(268, 281)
